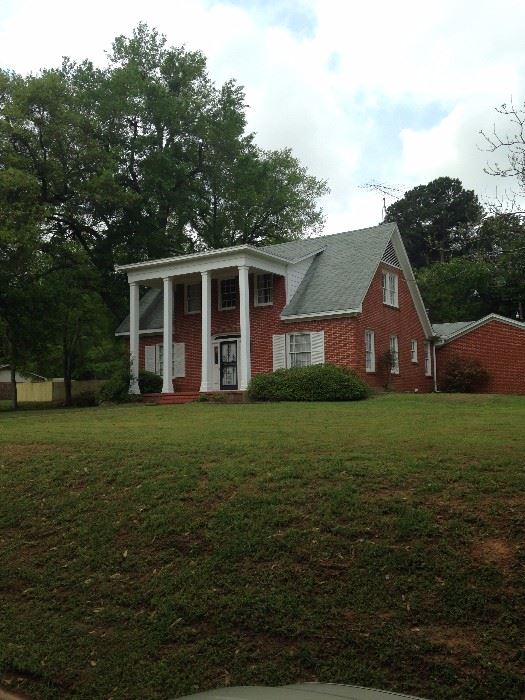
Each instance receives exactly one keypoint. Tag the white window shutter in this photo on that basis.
(279, 352)
(149, 353)
(317, 344)
(179, 360)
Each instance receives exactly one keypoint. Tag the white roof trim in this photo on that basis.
(322, 314)
(198, 256)
(481, 322)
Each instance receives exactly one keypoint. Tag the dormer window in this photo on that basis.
(390, 289)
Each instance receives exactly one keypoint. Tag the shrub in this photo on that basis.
(314, 383)
(149, 382)
(463, 374)
(116, 389)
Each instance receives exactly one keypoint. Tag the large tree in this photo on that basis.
(146, 157)
(437, 221)
(23, 303)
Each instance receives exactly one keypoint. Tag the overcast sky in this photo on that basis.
(361, 91)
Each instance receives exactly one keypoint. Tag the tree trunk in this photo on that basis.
(14, 393)
(67, 378)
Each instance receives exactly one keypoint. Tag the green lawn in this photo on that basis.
(149, 552)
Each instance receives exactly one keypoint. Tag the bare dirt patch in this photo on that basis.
(494, 551)
(455, 639)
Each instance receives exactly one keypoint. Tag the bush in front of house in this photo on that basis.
(149, 382)
(116, 389)
(463, 374)
(314, 383)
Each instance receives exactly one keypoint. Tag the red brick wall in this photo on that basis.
(344, 337)
(385, 321)
(500, 348)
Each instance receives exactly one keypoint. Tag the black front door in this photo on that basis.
(228, 366)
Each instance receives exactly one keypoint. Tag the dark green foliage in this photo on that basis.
(149, 382)
(463, 374)
(437, 220)
(315, 383)
(117, 387)
(463, 289)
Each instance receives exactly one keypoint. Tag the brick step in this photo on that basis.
(175, 398)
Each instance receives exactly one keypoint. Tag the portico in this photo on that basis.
(226, 264)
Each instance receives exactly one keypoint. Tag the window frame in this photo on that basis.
(390, 287)
(414, 351)
(370, 351)
(290, 341)
(220, 295)
(257, 288)
(187, 298)
(394, 352)
(428, 358)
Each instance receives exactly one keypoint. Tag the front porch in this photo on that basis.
(225, 356)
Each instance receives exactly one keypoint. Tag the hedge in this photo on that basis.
(314, 383)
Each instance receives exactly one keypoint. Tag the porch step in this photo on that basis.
(175, 398)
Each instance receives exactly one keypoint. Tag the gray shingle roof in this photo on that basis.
(445, 330)
(337, 279)
(151, 308)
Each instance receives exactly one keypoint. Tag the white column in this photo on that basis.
(206, 370)
(244, 311)
(134, 337)
(167, 341)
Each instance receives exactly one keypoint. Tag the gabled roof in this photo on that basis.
(451, 331)
(444, 330)
(336, 282)
(151, 307)
(339, 276)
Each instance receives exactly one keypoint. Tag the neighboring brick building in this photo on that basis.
(498, 343)
(350, 299)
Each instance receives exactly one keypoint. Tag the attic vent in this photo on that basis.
(389, 256)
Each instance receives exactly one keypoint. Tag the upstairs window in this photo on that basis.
(263, 290)
(227, 294)
(413, 350)
(300, 349)
(394, 354)
(390, 289)
(370, 353)
(428, 361)
(193, 298)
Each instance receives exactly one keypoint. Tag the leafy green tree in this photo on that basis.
(463, 289)
(146, 157)
(437, 221)
(501, 241)
(23, 330)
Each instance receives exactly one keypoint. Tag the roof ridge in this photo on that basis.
(330, 235)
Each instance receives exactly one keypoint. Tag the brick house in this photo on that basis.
(209, 321)
(498, 343)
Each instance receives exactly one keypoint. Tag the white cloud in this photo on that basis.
(345, 95)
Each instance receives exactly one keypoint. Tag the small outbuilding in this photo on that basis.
(498, 343)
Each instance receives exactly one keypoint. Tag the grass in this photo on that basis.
(151, 552)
